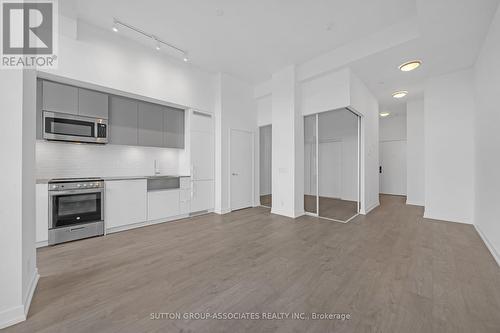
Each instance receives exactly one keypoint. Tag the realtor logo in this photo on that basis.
(29, 34)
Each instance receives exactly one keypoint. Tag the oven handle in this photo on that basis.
(83, 191)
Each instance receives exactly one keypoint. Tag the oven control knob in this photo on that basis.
(78, 185)
(54, 187)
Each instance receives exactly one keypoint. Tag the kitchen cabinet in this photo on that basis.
(202, 195)
(59, 98)
(42, 214)
(163, 204)
(123, 121)
(202, 155)
(185, 196)
(125, 202)
(150, 132)
(173, 128)
(92, 104)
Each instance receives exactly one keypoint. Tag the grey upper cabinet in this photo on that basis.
(92, 103)
(150, 125)
(59, 98)
(173, 127)
(123, 121)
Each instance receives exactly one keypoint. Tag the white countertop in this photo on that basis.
(111, 178)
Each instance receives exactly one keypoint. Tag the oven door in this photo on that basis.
(73, 207)
(66, 127)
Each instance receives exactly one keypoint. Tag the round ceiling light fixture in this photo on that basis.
(410, 65)
(384, 114)
(400, 94)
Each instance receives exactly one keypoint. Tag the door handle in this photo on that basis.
(234, 174)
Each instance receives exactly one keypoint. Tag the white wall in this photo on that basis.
(449, 147)
(287, 146)
(487, 175)
(236, 110)
(324, 93)
(17, 196)
(30, 271)
(264, 110)
(415, 176)
(104, 58)
(363, 102)
(57, 160)
(393, 128)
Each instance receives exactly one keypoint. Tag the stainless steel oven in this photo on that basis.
(76, 209)
(68, 127)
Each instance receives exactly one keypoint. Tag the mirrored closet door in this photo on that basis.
(334, 185)
(265, 144)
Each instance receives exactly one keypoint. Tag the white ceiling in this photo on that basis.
(253, 39)
(451, 35)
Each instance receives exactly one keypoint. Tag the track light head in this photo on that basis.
(115, 26)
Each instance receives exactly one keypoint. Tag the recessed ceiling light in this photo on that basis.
(410, 65)
(185, 58)
(400, 94)
(115, 27)
(384, 114)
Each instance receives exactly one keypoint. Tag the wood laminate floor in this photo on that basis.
(391, 270)
(266, 200)
(331, 208)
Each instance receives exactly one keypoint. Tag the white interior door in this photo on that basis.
(393, 163)
(330, 169)
(241, 169)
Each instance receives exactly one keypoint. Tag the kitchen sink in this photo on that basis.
(156, 183)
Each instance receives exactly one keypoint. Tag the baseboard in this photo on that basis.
(12, 316)
(283, 213)
(299, 213)
(19, 313)
(369, 209)
(488, 244)
(222, 211)
(31, 291)
(431, 216)
(42, 244)
(145, 224)
(395, 194)
(414, 203)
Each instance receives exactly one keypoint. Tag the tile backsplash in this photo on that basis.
(59, 159)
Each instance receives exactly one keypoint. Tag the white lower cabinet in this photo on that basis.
(42, 214)
(163, 204)
(202, 197)
(125, 202)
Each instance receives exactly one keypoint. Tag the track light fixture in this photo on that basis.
(157, 41)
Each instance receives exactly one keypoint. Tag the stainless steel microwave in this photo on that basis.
(73, 128)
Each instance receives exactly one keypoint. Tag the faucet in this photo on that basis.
(157, 167)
